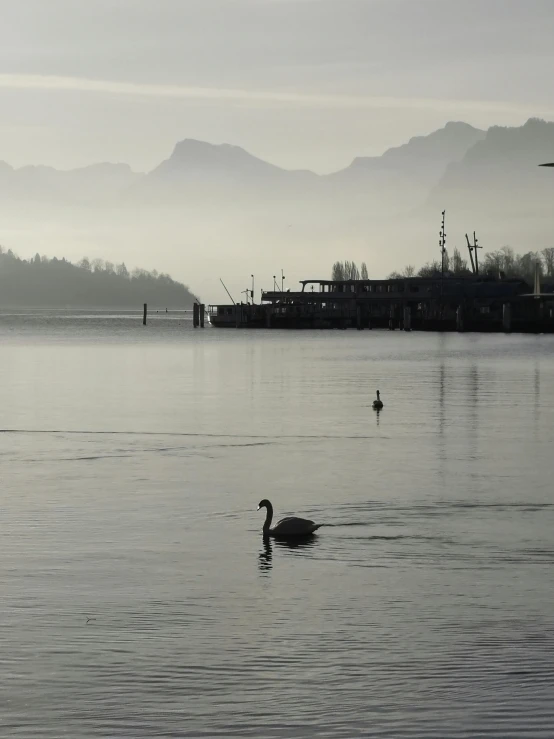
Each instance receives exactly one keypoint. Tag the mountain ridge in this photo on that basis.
(187, 149)
(217, 204)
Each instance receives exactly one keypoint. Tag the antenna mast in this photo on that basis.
(442, 244)
(227, 291)
(470, 249)
(475, 247)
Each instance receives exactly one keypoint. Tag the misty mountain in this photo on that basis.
(401, 178)
(192, 158)
(216, 210)
(97, 184)
(200, 169)
(424, 157)
(499, 176)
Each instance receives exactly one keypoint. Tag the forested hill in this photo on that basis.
(56, 283)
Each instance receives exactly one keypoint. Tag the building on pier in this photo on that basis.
(468, 303)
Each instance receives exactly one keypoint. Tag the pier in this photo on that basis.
(472, 303)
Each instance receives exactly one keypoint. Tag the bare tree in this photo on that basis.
(431, 269)
(548, 256)
(351, 271)
(97, 265)
(345, 271)
(364, 273)
(509, 261)
(458, 264)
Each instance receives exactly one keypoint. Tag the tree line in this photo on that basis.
(43, 282)
(502, 264)
(349, 271)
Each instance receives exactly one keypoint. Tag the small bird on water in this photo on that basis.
(378, 404)
(291, 527)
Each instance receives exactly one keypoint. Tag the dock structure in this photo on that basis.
(198, 313)
(468, 303)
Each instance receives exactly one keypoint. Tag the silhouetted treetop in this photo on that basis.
(56, 283)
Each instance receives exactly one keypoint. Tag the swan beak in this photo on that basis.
(258, 508)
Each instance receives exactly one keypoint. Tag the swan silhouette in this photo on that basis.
(378, 404)
(289, 528)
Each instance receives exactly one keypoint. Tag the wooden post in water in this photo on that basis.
(195, 315)
(407, 318)
(202, 312)
(507, 317)
(460, 318)
(144, 313)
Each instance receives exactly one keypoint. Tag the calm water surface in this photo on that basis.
(132, 462)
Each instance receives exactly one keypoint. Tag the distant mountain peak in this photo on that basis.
(192, 156)
(201, 159)
(459, 125)
(430, 152)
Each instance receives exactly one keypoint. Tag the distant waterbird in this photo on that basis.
(378, 404)
(288, 528)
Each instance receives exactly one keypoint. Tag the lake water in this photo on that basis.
(133, 459)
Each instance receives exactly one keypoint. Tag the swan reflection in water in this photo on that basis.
(265, 557)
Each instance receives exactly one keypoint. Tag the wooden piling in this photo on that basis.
(195, 315)
(407, 319)
(202, 313)
(459, 318)
(144, 313)
(507, 317)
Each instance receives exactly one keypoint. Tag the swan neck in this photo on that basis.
(268, 517)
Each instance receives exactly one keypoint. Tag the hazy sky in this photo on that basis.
(302, 83)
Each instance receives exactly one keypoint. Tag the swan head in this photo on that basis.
(378, 394)
(264, 504)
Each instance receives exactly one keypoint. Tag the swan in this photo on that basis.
(287, 528)
(378, 404)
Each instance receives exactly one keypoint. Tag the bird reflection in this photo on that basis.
(265, 557)
(377, 413)
(303, 543)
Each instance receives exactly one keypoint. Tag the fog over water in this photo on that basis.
(212, 139)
